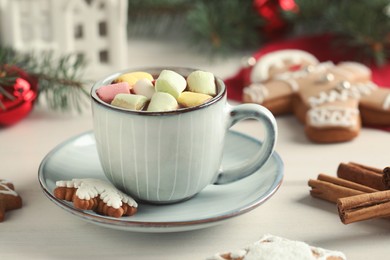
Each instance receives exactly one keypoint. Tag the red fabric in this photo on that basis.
(322, 46)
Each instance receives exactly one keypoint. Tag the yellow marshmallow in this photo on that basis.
(133, 77)
(191, 99)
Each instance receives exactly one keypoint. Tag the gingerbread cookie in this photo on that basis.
(333, 101)
(9, 199)
(375, 108)
(271, 247)
(283, 66)
(97, 195)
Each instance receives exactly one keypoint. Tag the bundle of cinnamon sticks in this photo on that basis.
(361, 192)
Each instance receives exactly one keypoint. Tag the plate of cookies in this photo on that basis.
(72, 178)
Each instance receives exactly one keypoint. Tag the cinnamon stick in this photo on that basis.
(370, 168)
(364, 206)
(386, 177)
(345, 183)
(364, 175)
(331, 188)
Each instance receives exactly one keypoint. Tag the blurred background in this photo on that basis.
(225, 26)
(52, 50)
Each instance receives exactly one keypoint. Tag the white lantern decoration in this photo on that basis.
(95, 29)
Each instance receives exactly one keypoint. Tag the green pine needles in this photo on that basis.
(59, 77)
(363, 24)
(224, 27)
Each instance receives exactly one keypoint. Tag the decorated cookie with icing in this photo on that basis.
(375, 108)
(277, 62)
(333, 101)
(97, 195)
(271, 247)
(273, 79)
(9, 199)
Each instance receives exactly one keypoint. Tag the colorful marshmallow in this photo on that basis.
(170, 82)
(192, 99)
(162, 101)
(202, 82)
(108, 93)
(169, 92)
(132, 77)
(144, 87)
(129, 101)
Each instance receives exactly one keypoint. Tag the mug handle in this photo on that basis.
(262, 114)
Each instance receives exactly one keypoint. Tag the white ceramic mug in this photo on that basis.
(165, 157)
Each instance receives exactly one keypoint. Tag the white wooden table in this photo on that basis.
(41, 230)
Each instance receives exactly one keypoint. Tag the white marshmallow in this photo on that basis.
(144, 87)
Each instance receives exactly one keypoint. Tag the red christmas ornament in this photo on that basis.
(20, 97)
(269, 10)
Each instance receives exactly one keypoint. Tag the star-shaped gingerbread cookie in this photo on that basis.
(97, 195)
(333, 101)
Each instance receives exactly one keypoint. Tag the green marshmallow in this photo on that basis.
(129, 101)
(170, 82)
(202, 82)
(162, 101)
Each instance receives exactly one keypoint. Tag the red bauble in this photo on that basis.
(270, 10)
(23, 92)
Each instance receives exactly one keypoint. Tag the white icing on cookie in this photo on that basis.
(4, 189)
(275, 248)
(260, 71)
(325, 97)
(290, 76)
(91, 188)
(257, 92)
(338, 94)
(332, 116)
(291, 250)
(386, 103)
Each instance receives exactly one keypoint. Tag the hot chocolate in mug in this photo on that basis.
(166, 157)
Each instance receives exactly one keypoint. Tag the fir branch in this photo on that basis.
(361, 24)
(58, 77)
(7, 56)
(216, 27)
(59, 80)
(310, 17)
(224, 26)
(355, 22)
(158, 19)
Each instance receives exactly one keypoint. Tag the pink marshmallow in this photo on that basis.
(108, 93)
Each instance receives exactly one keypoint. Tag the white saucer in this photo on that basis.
(77, 158)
